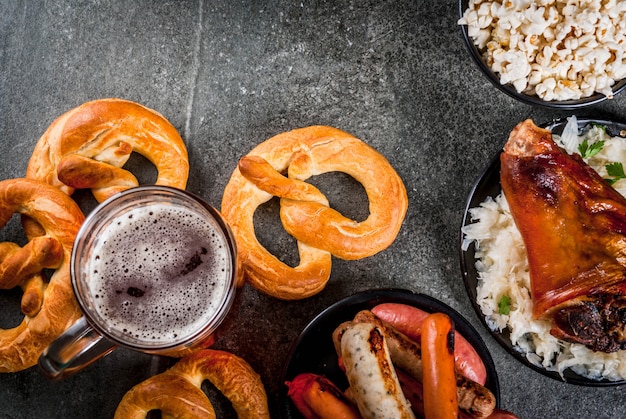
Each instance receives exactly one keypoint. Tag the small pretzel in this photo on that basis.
(49, 307)
(177, 392)
(320, 231)
(87, 146)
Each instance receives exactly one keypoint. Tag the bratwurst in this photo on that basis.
(372, 377)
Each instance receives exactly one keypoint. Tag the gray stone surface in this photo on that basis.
(231, 74)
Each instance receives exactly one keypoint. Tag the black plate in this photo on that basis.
(528, 99)
(314, 352)
(488, 184)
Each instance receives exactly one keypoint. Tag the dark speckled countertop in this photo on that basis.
(230, 74)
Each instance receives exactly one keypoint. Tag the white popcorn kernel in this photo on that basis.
(481, 38)
(618, 71)
(549, 83)
(536, 74)
(520, 84)
(548, 34)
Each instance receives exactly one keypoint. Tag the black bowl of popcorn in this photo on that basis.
(558, 56)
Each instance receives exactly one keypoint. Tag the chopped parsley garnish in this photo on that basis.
(587, 150)
(616, 171)
(504, 305)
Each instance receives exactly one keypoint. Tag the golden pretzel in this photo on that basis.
(49, 307)
(319, 230)
(177, 391)
(87, 146)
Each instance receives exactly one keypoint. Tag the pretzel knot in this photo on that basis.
(177, 392)
(87, 146)
(321, 232)
(48, 307)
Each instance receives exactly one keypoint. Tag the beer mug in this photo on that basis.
(154, 269)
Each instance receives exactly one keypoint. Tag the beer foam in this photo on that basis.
(158, 273)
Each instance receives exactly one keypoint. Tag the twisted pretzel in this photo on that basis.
(49, 307)
(87, 146)
(320, 231)
(177, 392)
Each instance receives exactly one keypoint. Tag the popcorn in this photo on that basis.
(555, 49)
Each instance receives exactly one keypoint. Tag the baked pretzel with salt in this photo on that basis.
(49, 307)
(87, 146)
(321, 232)
(177, 392)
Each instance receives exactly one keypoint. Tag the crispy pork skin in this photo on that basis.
(573, 224)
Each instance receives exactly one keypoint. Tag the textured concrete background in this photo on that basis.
(231, 74)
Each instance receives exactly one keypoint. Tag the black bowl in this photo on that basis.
(488, 184)
(314, 352)
(522, 97)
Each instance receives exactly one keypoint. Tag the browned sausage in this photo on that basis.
(316, 397)
(408, 320)
(372, 377)
(439, 381)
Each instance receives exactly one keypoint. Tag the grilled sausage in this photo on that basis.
(316, 397)
(439, 381)
(408, 320)
(372, 377)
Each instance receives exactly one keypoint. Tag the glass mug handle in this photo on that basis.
(76, 348)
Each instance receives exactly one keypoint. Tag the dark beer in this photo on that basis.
(158, 273)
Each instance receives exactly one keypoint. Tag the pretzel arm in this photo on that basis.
(81, 172)
(33, 293)
(166, 154)
(33, 287)
(116, 155)
(258, 171)
(22, 263)
(232, 376)
(169, 158)
(178, 393)
(172, 394)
